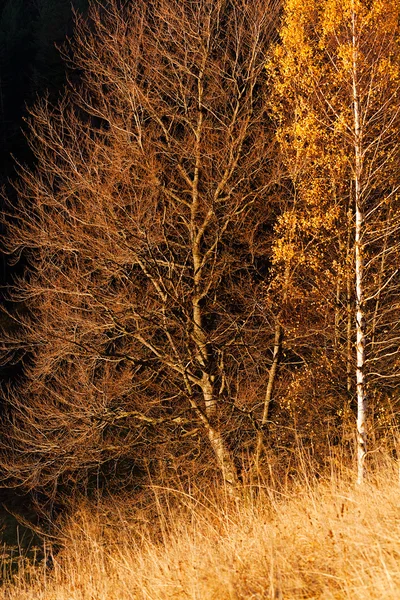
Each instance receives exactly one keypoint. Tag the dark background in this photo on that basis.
(30, 64)
(30, 67)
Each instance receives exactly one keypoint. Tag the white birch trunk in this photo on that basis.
(360, 350)
(359, 271)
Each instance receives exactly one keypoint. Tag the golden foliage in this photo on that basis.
(312, 72)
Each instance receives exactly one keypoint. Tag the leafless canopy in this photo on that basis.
(144, 225)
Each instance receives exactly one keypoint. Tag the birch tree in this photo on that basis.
(139, 225)
(336, 99)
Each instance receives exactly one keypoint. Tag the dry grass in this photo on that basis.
(322, 539)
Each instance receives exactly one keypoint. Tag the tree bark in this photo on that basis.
(270, 387)
(359, 270)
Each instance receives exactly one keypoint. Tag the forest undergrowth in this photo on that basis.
(308, 538)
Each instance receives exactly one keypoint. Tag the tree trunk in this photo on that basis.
(270, 387)
(359, 271)
(225, 460)
(349, 312)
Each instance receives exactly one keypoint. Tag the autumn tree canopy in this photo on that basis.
(211, 239)
(336, 101)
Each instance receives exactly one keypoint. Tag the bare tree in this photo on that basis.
(144, 226)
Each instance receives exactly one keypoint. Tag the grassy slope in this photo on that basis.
(322, 539)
